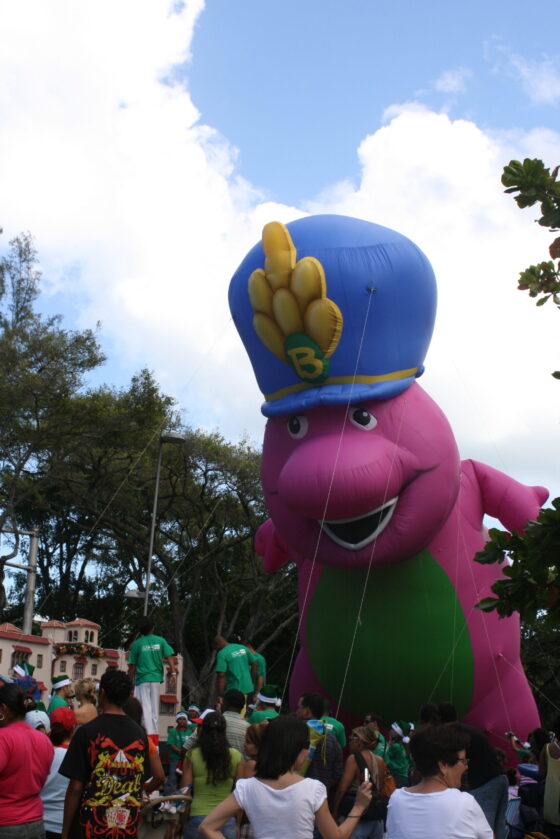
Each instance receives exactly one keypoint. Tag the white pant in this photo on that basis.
(148, 695)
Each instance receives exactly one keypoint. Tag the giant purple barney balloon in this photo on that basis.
(364, 484)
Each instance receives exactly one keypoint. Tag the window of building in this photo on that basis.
(94, 669)
(87, 634)
(39, 660)
(62, 667)
(69, 634)
(18, 657)
(0, 655)
(166, 707)
(78, 670)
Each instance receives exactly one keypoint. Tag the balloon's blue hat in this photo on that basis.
(333, 310)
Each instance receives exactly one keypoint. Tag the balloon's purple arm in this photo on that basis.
(512, 503)
(272, 548)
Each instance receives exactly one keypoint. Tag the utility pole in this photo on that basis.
(31, 569)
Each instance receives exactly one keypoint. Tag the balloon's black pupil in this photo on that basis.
(362, 417)
(294, 425)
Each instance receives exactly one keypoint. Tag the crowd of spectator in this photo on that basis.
(247, 768)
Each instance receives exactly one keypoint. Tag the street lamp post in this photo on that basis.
(165, 437)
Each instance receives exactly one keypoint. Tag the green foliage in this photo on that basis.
(530, 584)
(535, 184)
(540, 654)
(42, 368)
(532, 183)
(531, 581)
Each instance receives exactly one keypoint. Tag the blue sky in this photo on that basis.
(145, 143)
(296, 86)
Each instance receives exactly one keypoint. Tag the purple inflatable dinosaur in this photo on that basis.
(364, 484)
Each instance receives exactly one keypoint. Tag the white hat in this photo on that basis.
(37, 718)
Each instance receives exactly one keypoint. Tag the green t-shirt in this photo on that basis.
(261, 669)
(147, 654)
(381, 746)
(336, 728)
(396, 759)
(57, 702)
(261, 716)
(235, 661)
(177, 737)
(207, 796)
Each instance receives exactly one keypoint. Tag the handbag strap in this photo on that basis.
(358, 757)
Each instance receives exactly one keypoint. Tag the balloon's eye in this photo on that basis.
(362, 419)
(297, 427)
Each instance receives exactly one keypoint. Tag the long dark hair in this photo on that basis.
(281, 743)
(214, 747)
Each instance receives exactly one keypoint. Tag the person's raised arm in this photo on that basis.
(327, 826)
(210, 827)
(171, 662)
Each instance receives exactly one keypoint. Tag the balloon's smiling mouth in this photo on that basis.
(354, 534)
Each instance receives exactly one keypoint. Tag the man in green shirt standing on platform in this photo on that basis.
(261, 667)
(236, 666)
(145, 668)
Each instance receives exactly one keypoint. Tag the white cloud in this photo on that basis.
(540, 79)
(141, 219)
(453, 81)
(437, 180)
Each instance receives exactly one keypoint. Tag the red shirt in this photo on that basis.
(25, 759)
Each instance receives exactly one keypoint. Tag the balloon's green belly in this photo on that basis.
(408, 645)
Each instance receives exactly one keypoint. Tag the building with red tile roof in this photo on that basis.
(73, 649)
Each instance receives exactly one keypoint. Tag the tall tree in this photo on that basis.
(78, 464)
(94, 516)
(42, 367)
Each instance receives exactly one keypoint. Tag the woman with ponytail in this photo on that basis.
(210, 769)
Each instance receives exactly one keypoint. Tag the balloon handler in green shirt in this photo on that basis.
(236, 667)
(145, 667)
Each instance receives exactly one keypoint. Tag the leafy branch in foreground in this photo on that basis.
(535, 184)
(531, 583)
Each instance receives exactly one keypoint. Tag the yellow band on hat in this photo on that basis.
(341, 380)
